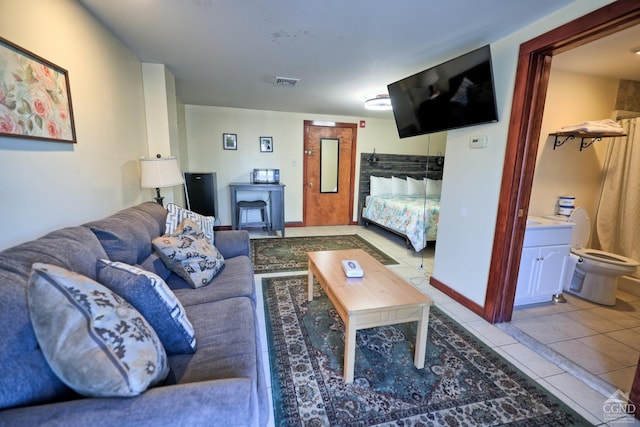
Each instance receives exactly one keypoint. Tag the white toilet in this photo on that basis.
(595, 275)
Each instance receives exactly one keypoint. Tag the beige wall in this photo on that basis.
(205, 126)
(571, 99)
(46, 185)
(472, 178)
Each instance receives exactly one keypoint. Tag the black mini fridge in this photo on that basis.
(201, 192)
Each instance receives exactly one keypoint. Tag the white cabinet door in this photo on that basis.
(527, 275)
(552, 259)
(541, 273)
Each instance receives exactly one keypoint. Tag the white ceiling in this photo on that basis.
(611, 56)
(228, 52)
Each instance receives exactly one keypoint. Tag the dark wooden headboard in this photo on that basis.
(399, 165)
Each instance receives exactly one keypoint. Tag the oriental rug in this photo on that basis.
(464, 382)
(273, 255)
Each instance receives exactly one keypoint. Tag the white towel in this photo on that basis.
(595, 126)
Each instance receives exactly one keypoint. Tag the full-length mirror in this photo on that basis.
(329, 151)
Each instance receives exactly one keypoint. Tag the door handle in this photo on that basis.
(310, 152)
(311, 184)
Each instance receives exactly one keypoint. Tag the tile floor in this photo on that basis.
(604, 341)
(570, 330)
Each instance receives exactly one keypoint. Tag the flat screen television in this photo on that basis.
(454, 94)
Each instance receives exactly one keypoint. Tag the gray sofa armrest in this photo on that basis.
(232, 243)
(208, 403)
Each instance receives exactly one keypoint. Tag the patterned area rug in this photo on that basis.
(465, 383)
(290, 253)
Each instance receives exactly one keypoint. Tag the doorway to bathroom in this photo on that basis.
(532, 81)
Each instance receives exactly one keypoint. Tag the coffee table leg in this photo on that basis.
(421, 338)
(349, 350)
(310, 285)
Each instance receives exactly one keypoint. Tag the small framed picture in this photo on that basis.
(266, 144)
(229, 141)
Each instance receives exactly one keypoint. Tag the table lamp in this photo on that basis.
(160, 172)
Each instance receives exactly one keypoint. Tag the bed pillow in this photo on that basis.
(379, 186)
(434, 187)
(416, 187)
(175, 215)
(399, 186)
(93, 340)
(151, 296)
(189, 254)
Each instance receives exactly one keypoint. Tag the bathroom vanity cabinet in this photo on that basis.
(545, 250)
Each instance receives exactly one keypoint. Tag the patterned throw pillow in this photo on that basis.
(175, 215)
(93, 340)
(189, 254)
(151, 296)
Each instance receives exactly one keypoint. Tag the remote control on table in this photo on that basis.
(352, 268)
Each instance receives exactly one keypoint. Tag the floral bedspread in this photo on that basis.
(406, 215)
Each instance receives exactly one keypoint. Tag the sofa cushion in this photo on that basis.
(124, 239)
(228, 347)
(175, 215)
(235, 280)
(94, 341)
(157, 215)
(26, 376)
(227, 343)
(151, 296)
(155, 265)
(189, 253)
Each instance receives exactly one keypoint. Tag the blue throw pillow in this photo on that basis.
(151, 296)
(94, 341)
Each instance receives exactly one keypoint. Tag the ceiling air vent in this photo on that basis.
(286, 81)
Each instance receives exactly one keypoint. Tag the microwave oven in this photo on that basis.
(265, 176)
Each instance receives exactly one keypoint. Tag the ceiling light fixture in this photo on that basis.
(379, 103)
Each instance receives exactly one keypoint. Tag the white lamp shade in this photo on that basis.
(160, 172)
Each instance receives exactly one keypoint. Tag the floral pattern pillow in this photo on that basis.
(93, 340)
(189, 254)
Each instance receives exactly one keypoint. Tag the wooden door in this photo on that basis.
(329, 164)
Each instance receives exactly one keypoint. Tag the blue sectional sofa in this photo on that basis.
(222, 383)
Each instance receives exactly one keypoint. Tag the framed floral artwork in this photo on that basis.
(35, 99)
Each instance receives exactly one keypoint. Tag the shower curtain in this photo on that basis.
(618, 217)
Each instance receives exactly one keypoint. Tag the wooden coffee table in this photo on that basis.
(379, 298)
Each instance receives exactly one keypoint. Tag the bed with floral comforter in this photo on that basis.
(405, 215)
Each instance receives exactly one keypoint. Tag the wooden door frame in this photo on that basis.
(532, 77)
(354, 128)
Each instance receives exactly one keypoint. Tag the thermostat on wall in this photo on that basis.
(478, 141)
